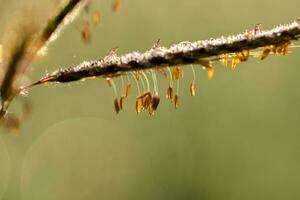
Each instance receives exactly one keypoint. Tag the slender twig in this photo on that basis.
(276, 40)
(48, 34)
(178, 54)
(62, 18)
(57, 20)
(53, 28)
(6, 89)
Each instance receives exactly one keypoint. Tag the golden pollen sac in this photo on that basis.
(210, 72)
(207, 64)
(224, 60)
(239, 57)
(138, 105)
(176, 103)
(249, 34)
(244, 55)
(147, 99)
(127, 89)
(156, 44)
(265, 53)
(257, 28)
(193, 89)
(96, 18)
(170, 93)
(150, 106)
(177, 73)
(117, 105)
(137, 75)
(121, 102)
(86, 32)
(109, 82)
(116, 5)
(235, 61)
(150, 110)
(143, 102)
(282, 49)
(155, 102)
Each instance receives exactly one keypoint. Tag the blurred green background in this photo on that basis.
(237, 139)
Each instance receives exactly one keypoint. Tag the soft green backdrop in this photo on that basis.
(237, 139)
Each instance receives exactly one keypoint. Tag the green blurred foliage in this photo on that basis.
(237, 139)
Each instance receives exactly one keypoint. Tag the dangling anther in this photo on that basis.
(170, 88)
(177, 73)
(127, 89)
(155, 102)
(193, 85)
(138, 105)
(207, 64)
(239, 57)
(117, 105)
(193, 89)
(224, 59)
(156, 44)
(170, 93)
(110, 54)
(121, 102)
(109, 81)
(155, 97)
(210, 72)
(257, 28)
(116, 101)
(176, 103)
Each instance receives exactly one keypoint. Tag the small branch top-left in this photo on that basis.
(24, 48)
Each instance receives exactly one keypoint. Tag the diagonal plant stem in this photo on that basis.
(20, 63)
(6, 90)
(275, 40)
(57, 20)
(178, 54)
